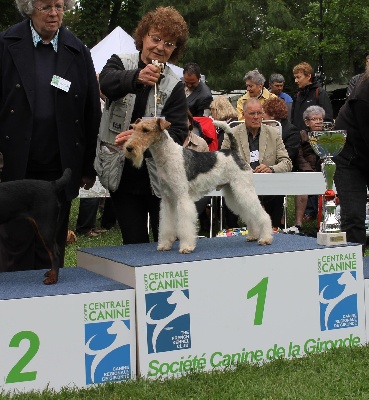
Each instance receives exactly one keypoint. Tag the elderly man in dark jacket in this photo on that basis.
(49, 119)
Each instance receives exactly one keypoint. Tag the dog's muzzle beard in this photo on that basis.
(134, 154)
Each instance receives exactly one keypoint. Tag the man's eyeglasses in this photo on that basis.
(255, 113)
(157, 40)
(48, 9)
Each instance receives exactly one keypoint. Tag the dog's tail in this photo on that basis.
(228, 130)
(62, 182)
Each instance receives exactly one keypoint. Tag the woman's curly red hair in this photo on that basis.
(169, 22)
(276, 107)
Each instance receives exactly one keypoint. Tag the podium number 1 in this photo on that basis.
(259, 290)
(16, 374)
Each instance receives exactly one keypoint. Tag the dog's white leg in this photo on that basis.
(240, 206)
(243, 200)
(167, 226)
(186, 224)
(266, 230)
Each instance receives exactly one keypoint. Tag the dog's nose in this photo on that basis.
(129, 149)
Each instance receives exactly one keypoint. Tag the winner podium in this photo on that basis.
(232, 301)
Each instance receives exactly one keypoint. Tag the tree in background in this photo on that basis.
(338, 38)
(230, 37)
(95, 19)
(9, 14)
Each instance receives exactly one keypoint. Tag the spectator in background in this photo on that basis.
(355, 79)
(308, 161)
(49, 120)
(197, 92)
(276, 85)
(276, 109)
(352, 173)
(194, 141)
(254, 89)
(89, 205)
(310, 93)
(262, 147)
(221, 109)
(87, 214)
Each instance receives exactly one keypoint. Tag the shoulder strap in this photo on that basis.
(317, 92)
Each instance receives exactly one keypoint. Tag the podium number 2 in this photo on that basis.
(259, 290)
(16, 374)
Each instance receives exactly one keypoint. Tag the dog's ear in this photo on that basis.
(164, 124)
(132, 125)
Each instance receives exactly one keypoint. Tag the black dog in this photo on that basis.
(38, 202)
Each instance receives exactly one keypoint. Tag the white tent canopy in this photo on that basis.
(118, 42)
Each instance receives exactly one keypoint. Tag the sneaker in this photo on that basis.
(98, 230)
(91, 234)
(295, 230)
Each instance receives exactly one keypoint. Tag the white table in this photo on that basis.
(286, 183)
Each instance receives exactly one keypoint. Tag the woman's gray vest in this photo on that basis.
(116, 118)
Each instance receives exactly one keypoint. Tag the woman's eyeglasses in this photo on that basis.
(49, 9)
(315, 119)
(157, 40)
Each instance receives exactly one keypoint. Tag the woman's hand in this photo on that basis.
(149, 75)
(121, 138)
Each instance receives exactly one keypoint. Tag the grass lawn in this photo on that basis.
(113, 237)
(110, 238)
(338, 374)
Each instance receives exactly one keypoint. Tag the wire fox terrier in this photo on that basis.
(186, 176)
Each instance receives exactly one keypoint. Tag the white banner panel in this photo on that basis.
(212, 314)
(71, 340)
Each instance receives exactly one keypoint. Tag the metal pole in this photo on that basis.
(321, 37)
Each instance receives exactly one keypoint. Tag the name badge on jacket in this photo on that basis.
(254, 156)
(60, 83)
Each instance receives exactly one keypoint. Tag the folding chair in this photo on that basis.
(270, 122)
(211, 204)
(278, 125)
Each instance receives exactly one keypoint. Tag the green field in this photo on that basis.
(113, 237)
(337, 374)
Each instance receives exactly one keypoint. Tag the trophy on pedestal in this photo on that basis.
(327, 143)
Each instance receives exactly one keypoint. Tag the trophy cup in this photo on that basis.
(327, 143)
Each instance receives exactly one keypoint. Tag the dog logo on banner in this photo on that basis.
(338, 300)
(107, 351)
(168, 321)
